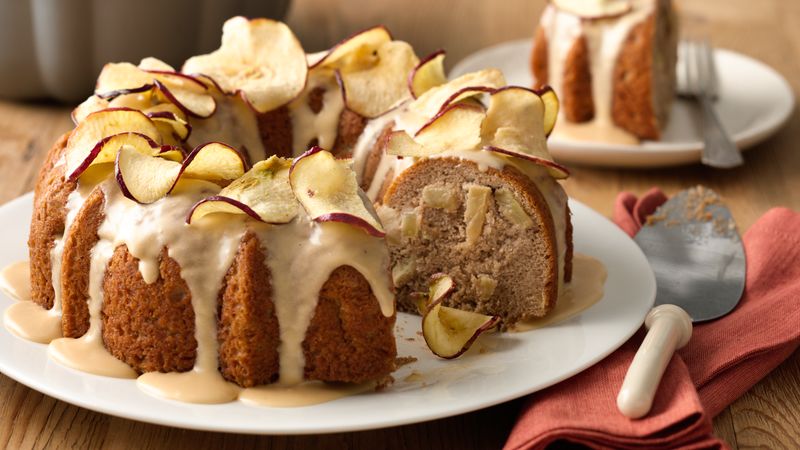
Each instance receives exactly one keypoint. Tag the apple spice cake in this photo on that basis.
(170, 232)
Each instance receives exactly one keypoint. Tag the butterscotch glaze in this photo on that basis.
(32, 322)
(15, 280)
(302, 394)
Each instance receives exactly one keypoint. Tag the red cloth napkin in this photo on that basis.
(723, 360)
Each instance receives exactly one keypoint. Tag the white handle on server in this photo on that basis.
(670, 328)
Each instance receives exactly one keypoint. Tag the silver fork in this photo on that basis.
(699, 82)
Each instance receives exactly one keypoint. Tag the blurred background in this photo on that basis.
(55, 48)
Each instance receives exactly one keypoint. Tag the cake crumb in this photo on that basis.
(403, 360)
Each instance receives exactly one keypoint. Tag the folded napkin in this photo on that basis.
(722, 361)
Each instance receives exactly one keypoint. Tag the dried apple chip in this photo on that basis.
(82, 146)
(433, 100)
(449, 332)
(262, 193)
(359, 44)
(262, 58)
(214, 161)
(456, 128)
(328, 190)
(428, 74)
(513, 126)
(374, 90)
(142, 177)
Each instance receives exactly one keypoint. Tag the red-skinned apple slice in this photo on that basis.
(90, 105)
(328, 190)
(374, 90)
(214, 161)
(465, 93)
(399, 143)
(551, 105)
(513, 126)
(144, 178)
(105, 151)
(100, 125)
(186, 92)
(457, 127)
(148, 176)
(262, 58)
(122, 78)
(555, 169)
(432, 101)
(263, 193)
(358, 44)
(450, 332)
(191, 101)
(171, 153)
(594, 9)
(427, 74)
(172, 116)
(150, 63)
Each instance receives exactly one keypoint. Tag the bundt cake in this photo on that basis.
(180, 244)
(612, 63)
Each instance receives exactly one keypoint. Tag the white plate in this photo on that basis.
(517, 364)
(754, 102)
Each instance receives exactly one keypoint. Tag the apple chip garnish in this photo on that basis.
(142, 177)
(594, 9)
(513, 127)
(214, 161)
(262, 58)
(356, 47)
(171, 115)
(88, 106)
(449, 332)
(145, 178)
(150, 63)
(263, 193)
(328, 190)
(106, 151)
(186, 92)
(456, 128)
(435, 99)
(82, 147)
(551, 105)
(428, 74)
(374, 90)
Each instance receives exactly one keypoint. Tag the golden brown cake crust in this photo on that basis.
(632, 101)
(576, 90)
(148, 326)
(524, 262)
(374, 157)
(539, 62)
(349, 339)
(76, 263)
(47, 222)
(247, 327)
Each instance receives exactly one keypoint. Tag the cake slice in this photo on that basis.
(612, 64)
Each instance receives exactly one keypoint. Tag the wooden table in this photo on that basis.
(768, 415)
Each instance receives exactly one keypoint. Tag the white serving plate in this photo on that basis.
(754, 102)
(515, 364)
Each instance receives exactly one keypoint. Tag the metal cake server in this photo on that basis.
(692, 244)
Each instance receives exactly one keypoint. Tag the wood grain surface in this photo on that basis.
(767, 416)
